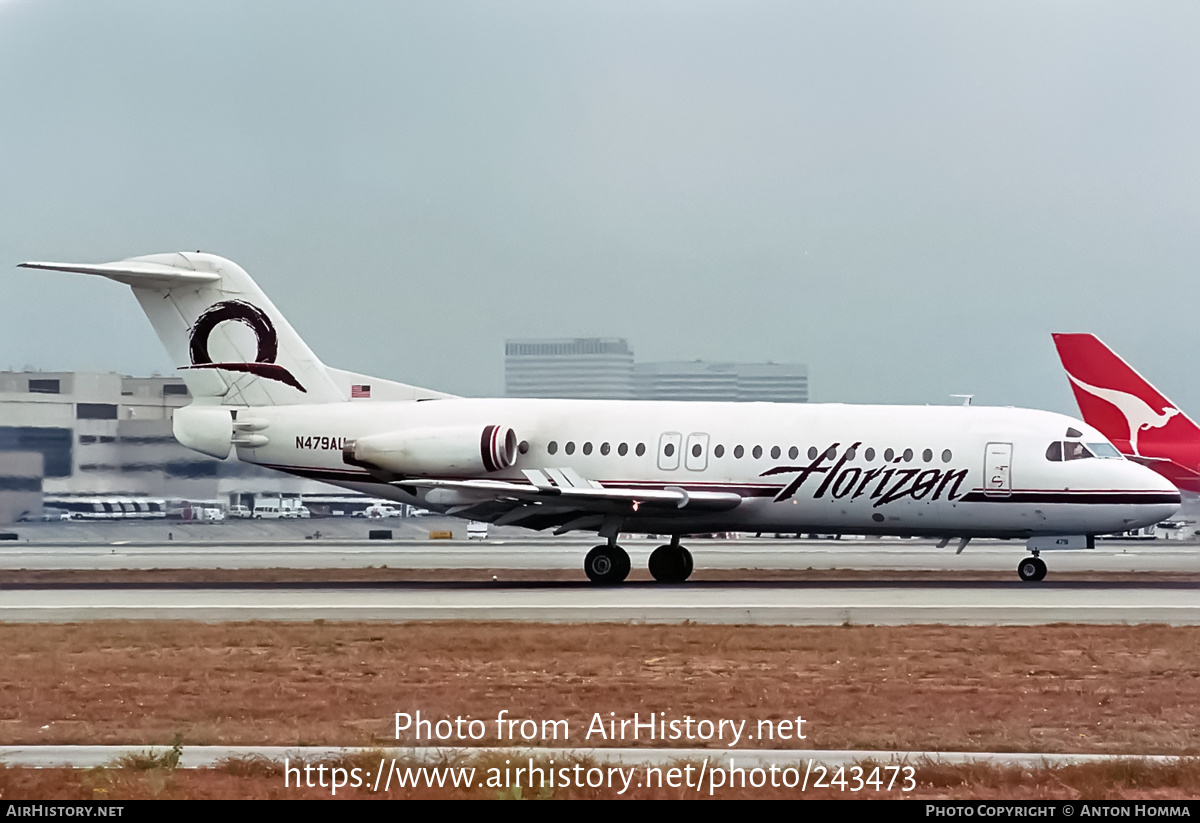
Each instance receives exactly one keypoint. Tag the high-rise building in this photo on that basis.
(604, 368)
(733, 382)
(589, 368)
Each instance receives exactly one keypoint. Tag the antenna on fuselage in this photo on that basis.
(966, 398)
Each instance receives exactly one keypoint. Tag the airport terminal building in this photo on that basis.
(68, 435)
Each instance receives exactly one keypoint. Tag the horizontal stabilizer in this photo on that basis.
(142, 274)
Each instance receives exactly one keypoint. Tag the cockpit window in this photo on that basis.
(1105, 450)
(1061, 450)
(1074, 450)
(1073, 432)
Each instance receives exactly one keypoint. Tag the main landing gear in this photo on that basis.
(1032, 569)
(671, 563)
(608, 564)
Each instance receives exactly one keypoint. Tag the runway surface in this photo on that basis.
(249, 545)
(716, 603)
(568, 553)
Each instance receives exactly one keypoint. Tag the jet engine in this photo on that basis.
(458, 450)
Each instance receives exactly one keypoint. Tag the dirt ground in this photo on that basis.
(1060, 688)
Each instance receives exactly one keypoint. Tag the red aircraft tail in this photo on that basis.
(1130, 412)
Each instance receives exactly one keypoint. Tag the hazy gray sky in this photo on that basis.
(908, 196)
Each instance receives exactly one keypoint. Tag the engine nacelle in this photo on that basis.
(206, 429)
(458, 450)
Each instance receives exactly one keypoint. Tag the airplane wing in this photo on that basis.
(560, 498)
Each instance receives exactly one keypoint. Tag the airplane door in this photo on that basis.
(696, 456)
(668, 451)
(997, 470)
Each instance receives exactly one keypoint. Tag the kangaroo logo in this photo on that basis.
(1139, 415)
(256, 319)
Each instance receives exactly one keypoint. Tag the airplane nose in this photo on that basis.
(1159, 497)
(1152, 480)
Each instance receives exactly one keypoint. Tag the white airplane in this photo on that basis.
(625, 466)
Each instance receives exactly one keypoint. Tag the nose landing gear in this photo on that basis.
(1032, 569)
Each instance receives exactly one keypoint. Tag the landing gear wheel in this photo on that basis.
(670, 564)
(607, 565)
(1032, 569)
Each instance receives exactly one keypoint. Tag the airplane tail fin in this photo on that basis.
(1117, 400)
(231, 344)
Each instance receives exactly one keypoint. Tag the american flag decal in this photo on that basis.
(360, 391)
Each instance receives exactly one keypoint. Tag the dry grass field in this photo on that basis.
(1061, 688)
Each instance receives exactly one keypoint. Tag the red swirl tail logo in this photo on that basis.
(256, 320)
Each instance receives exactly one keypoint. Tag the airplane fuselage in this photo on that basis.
(921, 470)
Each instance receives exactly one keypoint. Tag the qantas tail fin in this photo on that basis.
(231, 344)
(1117, 400)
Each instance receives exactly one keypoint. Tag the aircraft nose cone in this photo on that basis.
(1160, 498)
